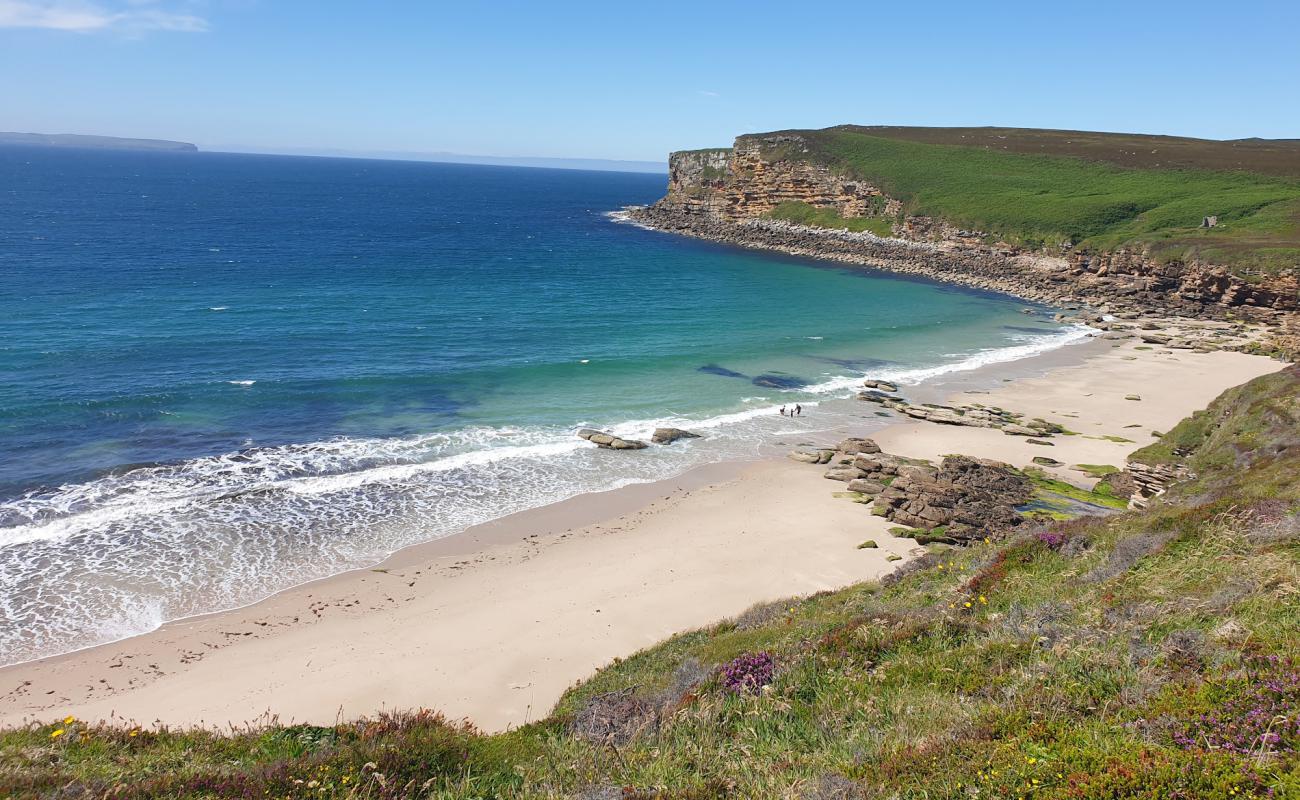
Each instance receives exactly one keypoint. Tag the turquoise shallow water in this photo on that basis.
(226, 375)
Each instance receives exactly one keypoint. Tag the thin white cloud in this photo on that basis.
(88, 17)
(707, 93)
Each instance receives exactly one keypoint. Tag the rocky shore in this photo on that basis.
(1117, 281)
(1089, 288)
(961, 500)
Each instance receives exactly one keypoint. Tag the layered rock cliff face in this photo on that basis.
(728, 195)
(746, 182)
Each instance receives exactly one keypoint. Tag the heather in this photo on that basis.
(1145, 654)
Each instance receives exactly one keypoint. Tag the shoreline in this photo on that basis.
(485, 534)
(1058, 339)
(157, 676)
(1034, 277)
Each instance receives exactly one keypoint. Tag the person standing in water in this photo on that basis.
(783, 411)
(798, 410)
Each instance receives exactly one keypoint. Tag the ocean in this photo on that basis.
(225, 375)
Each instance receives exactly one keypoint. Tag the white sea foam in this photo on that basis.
(623, 216)
(241, 383)
(1035, 345)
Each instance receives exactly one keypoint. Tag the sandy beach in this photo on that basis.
(494, 624)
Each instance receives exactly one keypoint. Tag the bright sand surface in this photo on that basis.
(495, 623)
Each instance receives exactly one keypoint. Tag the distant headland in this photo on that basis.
(94, 142)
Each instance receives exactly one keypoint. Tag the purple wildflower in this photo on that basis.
(748, 673)
(1261, 713)
(1052, 539)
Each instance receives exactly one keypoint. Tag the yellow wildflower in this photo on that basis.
(56, 734)
(70, 719)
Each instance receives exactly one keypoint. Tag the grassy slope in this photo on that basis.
(804, 214)
(1099, 192)
(1131, 656)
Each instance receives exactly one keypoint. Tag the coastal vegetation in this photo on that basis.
(1040, 188)
(804, 214)
(1144, 654)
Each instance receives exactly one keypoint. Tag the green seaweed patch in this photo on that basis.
(1096, 470)
(869, 544)
(1050, 491)
(1110, 437)
(856, 497)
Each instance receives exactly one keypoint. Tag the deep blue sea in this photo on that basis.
(224, 375)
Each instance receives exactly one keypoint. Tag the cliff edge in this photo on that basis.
(1059, 216)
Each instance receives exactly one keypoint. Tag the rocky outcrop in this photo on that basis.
(609, 441)
(726, 195)
(1151, 480)
(961, 500)
(670, 435)
(964, 499)
(970, 415)
(821, 456)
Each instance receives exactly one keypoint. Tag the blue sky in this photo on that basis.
(634, 80)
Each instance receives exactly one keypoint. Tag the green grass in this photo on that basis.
(1040, 200)
(1089, 659)
(1246, 420)
(804, 214)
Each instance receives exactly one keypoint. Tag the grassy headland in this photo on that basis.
(1150, 654)
(1093, 191)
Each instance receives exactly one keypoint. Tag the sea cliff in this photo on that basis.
(742, 196)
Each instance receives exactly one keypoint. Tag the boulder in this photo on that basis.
(876, 463)
(865, 486)
(1019, 430)
(875, 396)
(609, 441)
(670, 435)
(856, 445)
(806, 456)
(884, 386)
(1047, 462)
(843, 473)
(626, 444)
